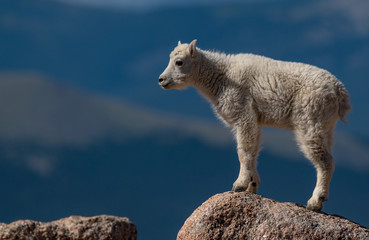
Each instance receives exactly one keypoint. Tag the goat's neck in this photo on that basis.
(211, 80)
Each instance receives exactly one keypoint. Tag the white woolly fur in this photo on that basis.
(249, 91)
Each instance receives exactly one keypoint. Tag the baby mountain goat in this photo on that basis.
(248, 92)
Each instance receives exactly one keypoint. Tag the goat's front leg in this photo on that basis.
(248, 141)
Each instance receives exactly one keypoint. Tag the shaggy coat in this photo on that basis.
(248, 92)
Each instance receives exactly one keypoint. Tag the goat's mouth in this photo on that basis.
(165, 85)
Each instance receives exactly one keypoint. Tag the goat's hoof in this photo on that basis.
(315, 208)
(252, 188)
(238, 189)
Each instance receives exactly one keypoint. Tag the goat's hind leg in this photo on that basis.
(324, 168)
(317, 148)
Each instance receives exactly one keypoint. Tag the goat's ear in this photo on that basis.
(179, 43)
(192, 48)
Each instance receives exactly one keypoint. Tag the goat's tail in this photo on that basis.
(344, 103)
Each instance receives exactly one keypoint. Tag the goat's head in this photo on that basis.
(181, 68)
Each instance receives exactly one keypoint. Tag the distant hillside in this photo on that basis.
(36, 108)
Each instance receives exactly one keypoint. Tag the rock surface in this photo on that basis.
(244, 215)
(101, 227)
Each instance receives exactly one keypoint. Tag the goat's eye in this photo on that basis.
(179, 62)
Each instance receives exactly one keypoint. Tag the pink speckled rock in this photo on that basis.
(101, 227)
(232, 215)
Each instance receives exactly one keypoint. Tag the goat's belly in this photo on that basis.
(277, 118)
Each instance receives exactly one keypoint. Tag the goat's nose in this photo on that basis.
(161, 79)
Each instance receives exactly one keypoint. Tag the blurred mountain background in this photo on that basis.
(85, 129)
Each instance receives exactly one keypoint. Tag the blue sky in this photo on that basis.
(355, 11)
(141, 4)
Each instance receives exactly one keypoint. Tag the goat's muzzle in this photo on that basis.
(163, 82)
